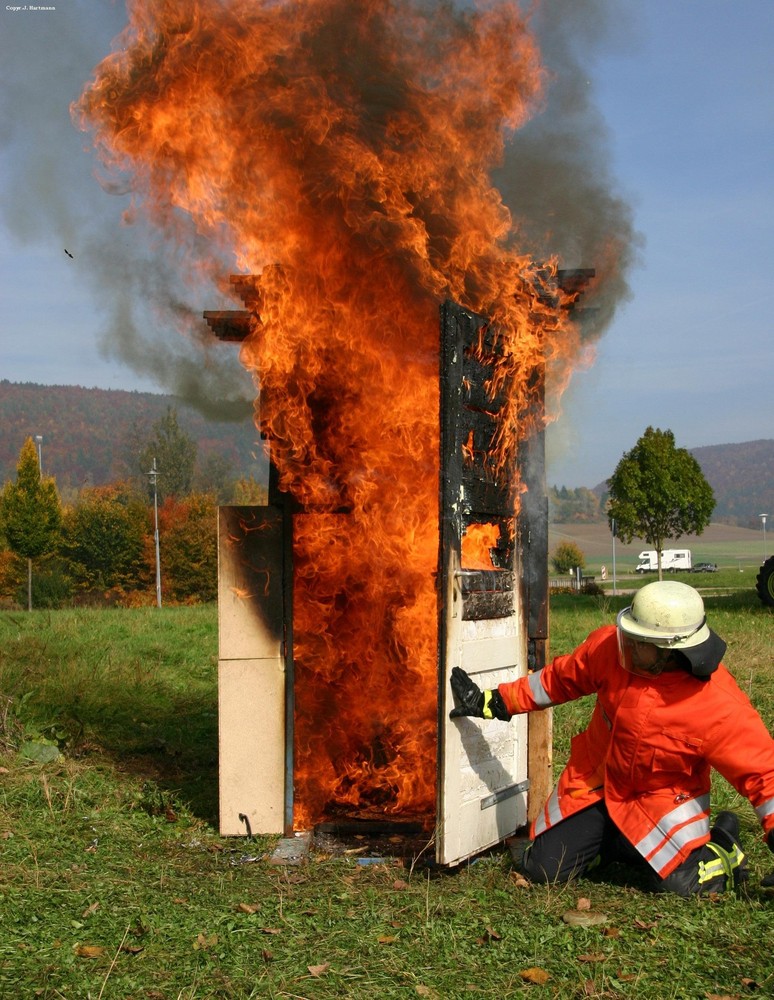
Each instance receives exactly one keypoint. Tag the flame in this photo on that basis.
(340, 151)
(477, 544)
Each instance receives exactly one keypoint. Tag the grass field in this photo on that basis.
(115, 882)
(737, 552)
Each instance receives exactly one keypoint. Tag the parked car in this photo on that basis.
(705, 568)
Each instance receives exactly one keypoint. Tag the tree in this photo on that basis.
(175, 455)
(103, 539)
(248, 492)
(30, 512)
(567, 556)
(215, 474)
(189, 551)
(658, 491)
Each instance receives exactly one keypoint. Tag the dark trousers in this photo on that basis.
(590, 840)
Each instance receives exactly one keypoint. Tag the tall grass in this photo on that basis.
(115, 883)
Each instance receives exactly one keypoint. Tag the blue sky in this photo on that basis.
(686, 91)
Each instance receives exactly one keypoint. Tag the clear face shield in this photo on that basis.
(641, 658)
(651, 657)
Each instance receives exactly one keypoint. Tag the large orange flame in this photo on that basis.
(340, 151)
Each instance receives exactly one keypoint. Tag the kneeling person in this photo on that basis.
(636, 788)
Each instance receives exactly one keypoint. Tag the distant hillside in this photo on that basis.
(741, 477)
(90, 435)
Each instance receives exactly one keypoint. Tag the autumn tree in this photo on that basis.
(30, 512)
(573, 505)
(567, 556)
(103, 539)
(189, 540)
(657, 492)
(175, 455)
(249, 492)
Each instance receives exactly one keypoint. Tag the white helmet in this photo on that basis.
(671, 615)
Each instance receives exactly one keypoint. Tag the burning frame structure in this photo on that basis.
(292, 757)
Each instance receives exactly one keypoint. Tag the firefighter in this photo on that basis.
(636, 788)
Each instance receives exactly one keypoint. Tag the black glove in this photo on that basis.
(473, 701)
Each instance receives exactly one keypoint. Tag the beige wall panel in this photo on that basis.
(251, 716)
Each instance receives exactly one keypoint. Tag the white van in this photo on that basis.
(672, 560)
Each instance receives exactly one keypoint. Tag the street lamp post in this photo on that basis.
(39, 442)
(153, 476)
(763, 525)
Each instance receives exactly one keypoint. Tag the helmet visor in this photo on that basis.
(640, 657)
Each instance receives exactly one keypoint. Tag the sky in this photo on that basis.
(684, 92)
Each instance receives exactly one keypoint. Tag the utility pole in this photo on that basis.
(153, 476)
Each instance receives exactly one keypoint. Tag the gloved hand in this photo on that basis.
(475, 702)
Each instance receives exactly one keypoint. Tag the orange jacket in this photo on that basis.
(649, 748)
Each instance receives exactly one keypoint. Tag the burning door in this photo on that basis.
(291, 756)
(482, 623)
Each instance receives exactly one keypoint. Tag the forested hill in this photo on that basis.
(92, 435)
(741, 477)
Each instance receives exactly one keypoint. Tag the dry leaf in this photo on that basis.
(270, 930)
(318, 970)
(90, 909)
(593, 956)
(583, 904)
(203, 942)
(581, 918)
(535, 975)
(641, 925)
(492, 935)
(426, 991)
(89, 950)
(248, 907)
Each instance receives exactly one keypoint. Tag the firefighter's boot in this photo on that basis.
(730, 859)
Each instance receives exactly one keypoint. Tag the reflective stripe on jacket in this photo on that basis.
(649, 748)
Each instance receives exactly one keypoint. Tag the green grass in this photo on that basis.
(115, 883)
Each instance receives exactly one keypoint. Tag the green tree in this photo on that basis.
(30, 512)
(103, 539)
(249, 492)
(658, 491)
(567, 556)
(175, 455)
(215, 474)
